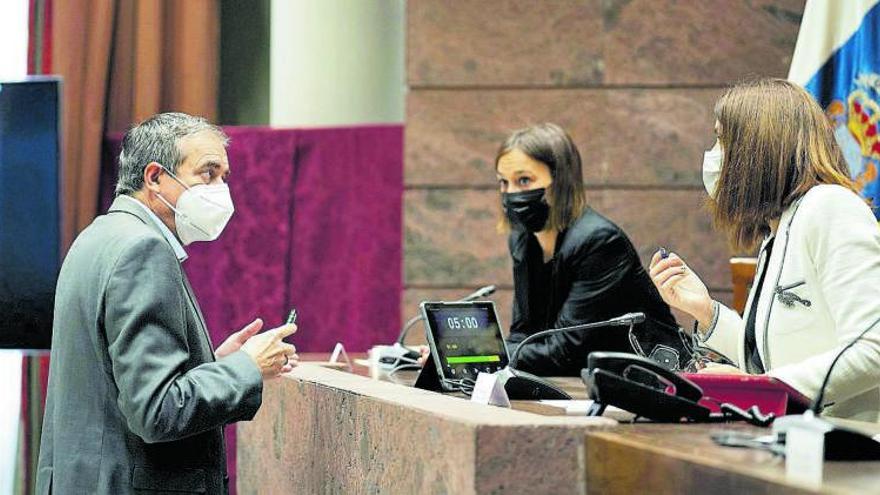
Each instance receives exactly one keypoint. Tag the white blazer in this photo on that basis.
(821, 290)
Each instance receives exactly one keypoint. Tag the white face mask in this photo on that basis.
(202, 211)
(712, 169)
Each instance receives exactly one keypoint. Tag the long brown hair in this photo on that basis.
(777, 144)
(551, 145)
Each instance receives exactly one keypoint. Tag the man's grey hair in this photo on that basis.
(157, 139)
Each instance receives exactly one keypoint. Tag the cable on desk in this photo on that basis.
(463, 385)
(401, 367)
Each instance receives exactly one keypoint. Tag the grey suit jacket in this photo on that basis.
(136, 400)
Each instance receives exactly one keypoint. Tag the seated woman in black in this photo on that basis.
(571, 265)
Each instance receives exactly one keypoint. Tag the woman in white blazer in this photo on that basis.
(777, 179)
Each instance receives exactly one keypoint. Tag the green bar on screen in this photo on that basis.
(472, 359)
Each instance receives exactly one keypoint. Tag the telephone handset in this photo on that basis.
(641, 386)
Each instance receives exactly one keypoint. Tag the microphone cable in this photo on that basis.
(463, 385)
(626, 320)
(817, 405)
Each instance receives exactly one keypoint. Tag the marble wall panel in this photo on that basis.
(637, 137)
(503, 42)
(450, 239)
(707, 42)
(571, 43)
(452, 136)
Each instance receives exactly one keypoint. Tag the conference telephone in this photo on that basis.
(650, 390)
(641, 386)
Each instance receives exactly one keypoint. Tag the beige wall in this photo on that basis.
(634, 81)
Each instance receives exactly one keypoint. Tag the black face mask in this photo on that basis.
(526, 210)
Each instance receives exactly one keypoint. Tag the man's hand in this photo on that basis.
(236, 340)
(270, 353)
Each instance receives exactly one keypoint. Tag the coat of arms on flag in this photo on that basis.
(837, 59)
(855, 119)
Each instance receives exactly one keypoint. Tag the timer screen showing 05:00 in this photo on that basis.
(468, 340)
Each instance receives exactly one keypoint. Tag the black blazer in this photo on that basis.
(596, 275)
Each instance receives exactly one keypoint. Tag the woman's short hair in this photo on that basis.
(551, 145)
(777, 144)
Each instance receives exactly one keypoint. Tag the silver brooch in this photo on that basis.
(788, 298)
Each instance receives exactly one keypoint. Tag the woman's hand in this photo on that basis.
(424, 353)
(681, 288)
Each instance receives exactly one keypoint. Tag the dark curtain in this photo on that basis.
(165, 57)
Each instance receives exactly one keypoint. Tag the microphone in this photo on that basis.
(480, 293)
(841, 442)
(477, 294)
(521, 385)
(626, 320)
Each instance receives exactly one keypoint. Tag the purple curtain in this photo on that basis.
(317, 226)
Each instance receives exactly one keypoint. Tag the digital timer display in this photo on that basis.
(468, 339)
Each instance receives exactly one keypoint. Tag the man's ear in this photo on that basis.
(152, 172)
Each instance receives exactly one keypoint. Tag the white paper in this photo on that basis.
(572, 407)
(489, 390)
(578, 407)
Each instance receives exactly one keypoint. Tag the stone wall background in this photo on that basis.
(633, 81)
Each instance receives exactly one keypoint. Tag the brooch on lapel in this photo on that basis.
(788, 298)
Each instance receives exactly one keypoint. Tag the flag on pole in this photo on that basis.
(837, 59)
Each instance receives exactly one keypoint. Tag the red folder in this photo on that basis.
(771, 395)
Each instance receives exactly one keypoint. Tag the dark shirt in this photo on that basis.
(540, 278)
(754, 364)
(595, 274)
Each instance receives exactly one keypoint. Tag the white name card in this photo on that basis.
(489, 390)
(339, 351)
(805, 449)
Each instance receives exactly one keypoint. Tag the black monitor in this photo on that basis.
(30, 213)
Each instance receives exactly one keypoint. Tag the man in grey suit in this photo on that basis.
(137, 396)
